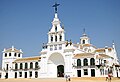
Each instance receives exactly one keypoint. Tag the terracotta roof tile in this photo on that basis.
(109, 49)
(14, 50)
(86, 45)
(104, 56)
(83, 55)
(100, 50)
(28, 59)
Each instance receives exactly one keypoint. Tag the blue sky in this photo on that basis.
(25, 23)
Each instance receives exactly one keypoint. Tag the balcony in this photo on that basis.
(25, 69)
(44, 46)
(5, 70)
(89, 66)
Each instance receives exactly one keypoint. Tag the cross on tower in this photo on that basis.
(84, 30)
(55, 5)
(84, 34)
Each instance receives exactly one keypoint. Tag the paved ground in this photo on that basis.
(56, 80)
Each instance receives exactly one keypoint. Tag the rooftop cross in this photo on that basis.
(84, 30)
(84, 34)
(55, 5)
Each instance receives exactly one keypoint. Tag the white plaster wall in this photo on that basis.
(52, 70)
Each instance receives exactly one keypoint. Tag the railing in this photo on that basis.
(44, 46)
(89, 66)
(37, 68)
(5, 70)
(26, 69)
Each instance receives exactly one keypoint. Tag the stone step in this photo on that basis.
(93, 78)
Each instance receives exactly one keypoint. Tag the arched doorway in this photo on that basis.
(55, 65)
(60, 71)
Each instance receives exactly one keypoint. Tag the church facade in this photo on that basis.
(60, 57)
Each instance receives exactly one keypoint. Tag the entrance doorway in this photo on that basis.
(6, 76)
(79, 73)
(92, 72)
(15, 74)
(60, 71)
(117, 73)
(25, 74)
(55, 65)
(36, 74)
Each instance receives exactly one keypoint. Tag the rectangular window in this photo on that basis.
(51, 48)
(102, 71)
(106, 72)
(36, 74)
(85, 71)
(55, 47)
(30, 73)
(60, 46)
(20, 74)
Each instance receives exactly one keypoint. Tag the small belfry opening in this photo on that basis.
(55, 28)
(60, 71)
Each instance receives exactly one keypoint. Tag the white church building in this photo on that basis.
(60, 57)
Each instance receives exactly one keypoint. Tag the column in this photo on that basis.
(63, 37)
(58, 38)
(68, 63)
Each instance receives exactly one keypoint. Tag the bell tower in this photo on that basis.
(84, 39)
(56, 33)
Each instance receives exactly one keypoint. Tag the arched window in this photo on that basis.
(92, 61)
(5, 54)
(89, 50)
(83, 41)
(19, 55)
(9, 54)
(26, 65)
(78, 62)
(36, 64)
(56, 38)
(16, 66)
(31, 65)
(15, 54)
(85, 62)
(21, 65)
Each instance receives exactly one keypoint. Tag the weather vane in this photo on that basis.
(55, 5)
